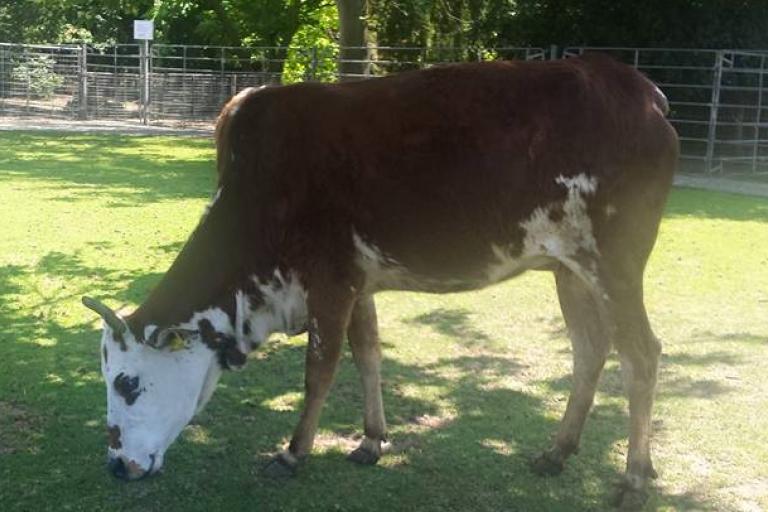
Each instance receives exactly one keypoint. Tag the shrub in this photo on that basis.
(37, 72)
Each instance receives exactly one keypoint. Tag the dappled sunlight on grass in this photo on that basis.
(196, 434)
(286, 402)
(473, 383)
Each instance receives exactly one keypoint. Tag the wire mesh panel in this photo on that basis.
(194, 82)
(740, 138)
(717, 97)
(686, 77)
(113, 84)
(38, 80)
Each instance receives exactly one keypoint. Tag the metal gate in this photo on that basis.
(717, 97)
(717, 103)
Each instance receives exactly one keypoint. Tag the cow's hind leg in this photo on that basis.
(639, 352)
(590, 347)
(329, 313)
(364, 341)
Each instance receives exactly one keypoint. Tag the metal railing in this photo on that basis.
(717, 97)
(717, 103)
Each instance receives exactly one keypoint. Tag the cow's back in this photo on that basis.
(435, 168)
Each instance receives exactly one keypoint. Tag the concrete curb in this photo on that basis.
(746, 188)
(86, 127)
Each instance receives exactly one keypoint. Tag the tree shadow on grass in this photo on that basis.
(700, 204)
(120, 170)
(460, 439)
(452, 322)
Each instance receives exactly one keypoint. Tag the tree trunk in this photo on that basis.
(355, 54)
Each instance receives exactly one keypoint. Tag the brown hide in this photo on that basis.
(435, 166)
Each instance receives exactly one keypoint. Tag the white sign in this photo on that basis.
(143, 29)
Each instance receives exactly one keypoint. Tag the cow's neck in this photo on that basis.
(227, 278)
(205, 275)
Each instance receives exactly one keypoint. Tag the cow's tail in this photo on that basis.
(223, 128)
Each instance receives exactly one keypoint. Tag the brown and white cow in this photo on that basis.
(448, 179)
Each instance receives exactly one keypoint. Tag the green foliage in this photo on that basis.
(236, 22)
(38, 74)
(313, 50)
(659, 23)
(47, 21)
(428, 23)
(73, 34)
(475, 27)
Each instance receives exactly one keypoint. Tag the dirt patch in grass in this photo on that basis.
(19, 428)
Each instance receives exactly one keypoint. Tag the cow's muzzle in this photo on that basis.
(126, 469)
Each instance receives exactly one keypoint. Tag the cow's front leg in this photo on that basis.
(329, 314)
(363, 335)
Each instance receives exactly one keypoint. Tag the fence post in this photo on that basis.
(312, 72)
(3, 78)
(756, 144)
(144, 71)
(715, 101)
(222, 86)
(552, 52)
(82, 70)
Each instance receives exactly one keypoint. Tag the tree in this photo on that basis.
(354, 38)
(271, 24)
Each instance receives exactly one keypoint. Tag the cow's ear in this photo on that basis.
(171, 338)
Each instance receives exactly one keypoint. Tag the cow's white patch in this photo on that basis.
(386, 273)
(371, 255)
(218, 318)
(212, 202)
(570, 238)
(580, 183)
(286, 305)
(572, 233)
(149, 329)
(504, 265)
(381, 271)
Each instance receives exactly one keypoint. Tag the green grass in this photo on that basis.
(473, 382)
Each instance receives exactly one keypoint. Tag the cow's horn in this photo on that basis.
(107, 314)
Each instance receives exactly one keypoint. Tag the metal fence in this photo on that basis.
(717, 103)
(717, 97)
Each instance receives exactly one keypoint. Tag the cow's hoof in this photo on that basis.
(368, 453)
(282, 465)
(628, 499)
(363, 456)
(547, 464)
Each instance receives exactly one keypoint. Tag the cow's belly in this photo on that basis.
(384, 271)
(552, 233)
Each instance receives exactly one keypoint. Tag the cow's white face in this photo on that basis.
(152, 394)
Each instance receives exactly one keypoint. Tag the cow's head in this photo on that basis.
(154, 388)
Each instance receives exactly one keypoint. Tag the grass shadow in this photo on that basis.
(686, 203)
(455, 323)
(117, 169)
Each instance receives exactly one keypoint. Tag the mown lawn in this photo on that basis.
(473, 382)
